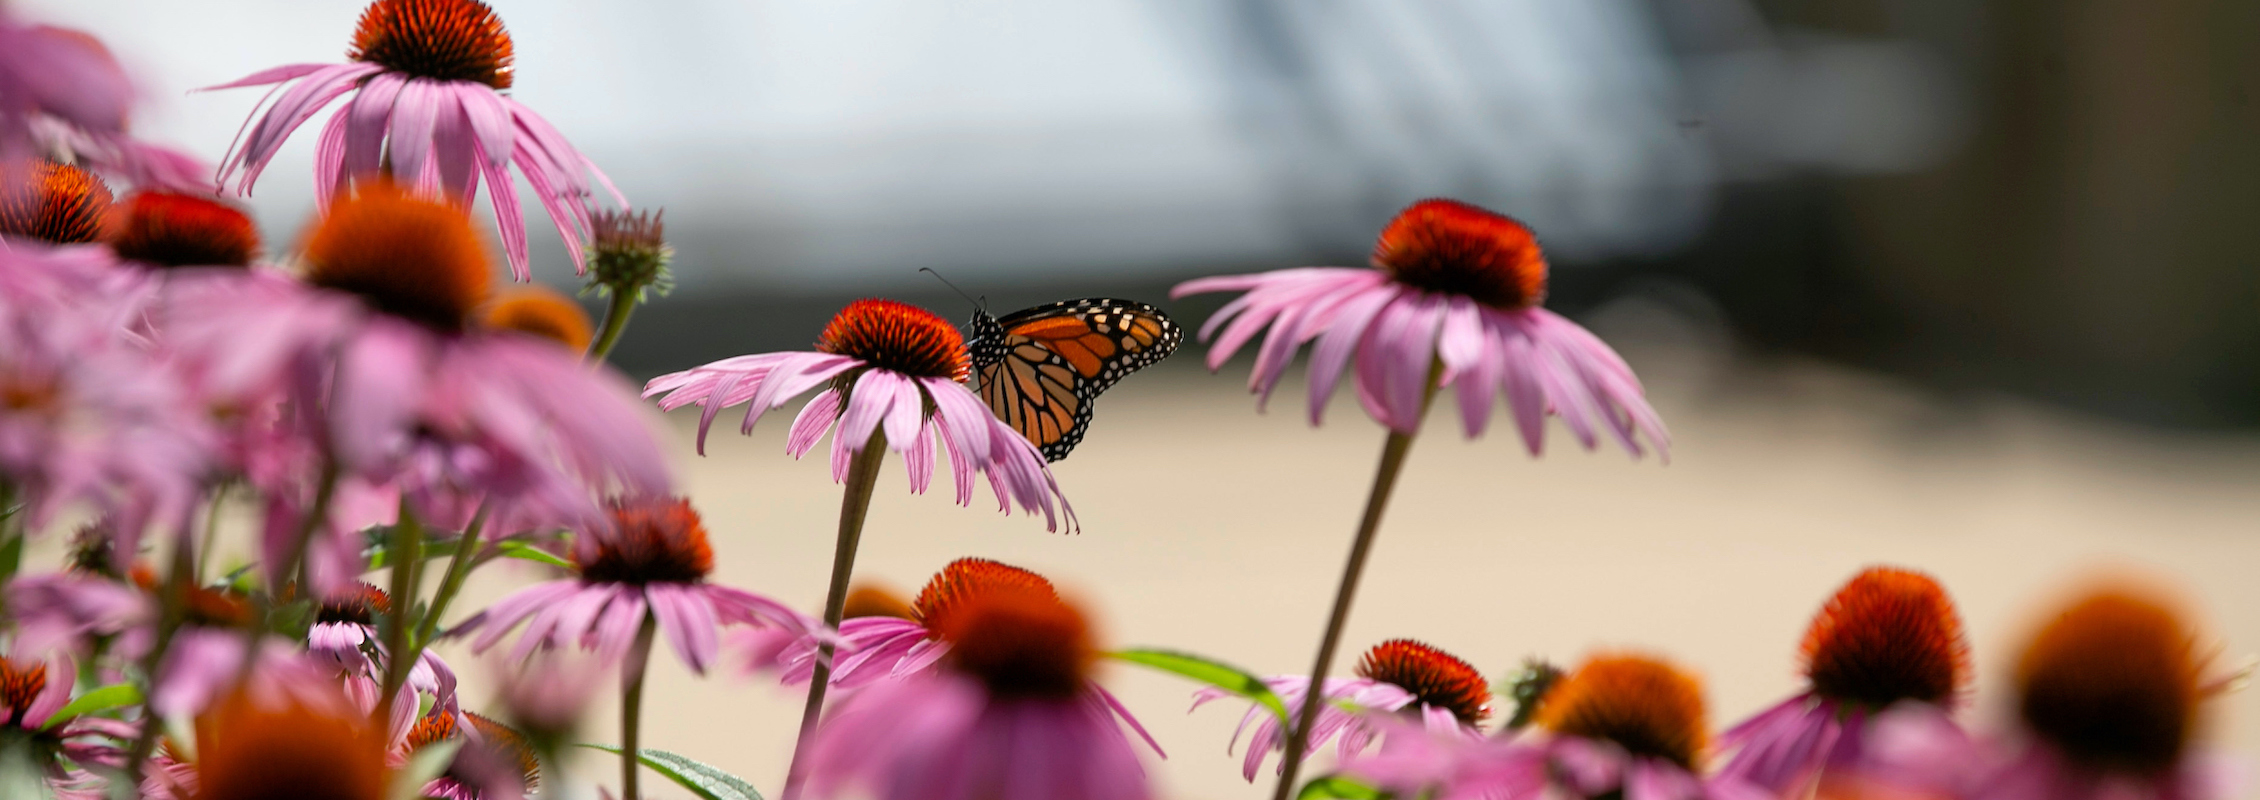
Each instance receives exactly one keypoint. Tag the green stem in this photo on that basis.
(631, 707)
(172, 608)
(855, 504)
(458, 569)
(616, 315)
(406, 556)
(1393, 454)
(211, 531)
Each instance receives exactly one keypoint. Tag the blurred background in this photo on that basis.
(1964, 284)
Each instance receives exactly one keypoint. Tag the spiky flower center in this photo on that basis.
(1021, 642)
(449, 40)
(500, 742)
(250, 751)
(628, 251)
(2113, 683)
(409, 257)
(899, 337)
(50, 202)
(542, 312)
(1451, 247)
(1433, 676)
(1888, 635)
(359, 605)
(204, 607)
(965, 579)
(653, 540)
(20, 685)
(1642, 704)
(176, 230)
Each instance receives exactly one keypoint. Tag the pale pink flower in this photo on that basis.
(885, 366)
(652, 559)
(425, 110)
(62, 611)
(1453, 286)
(1013, 715)
(900, 643)
(1397, 678)
(56, 74)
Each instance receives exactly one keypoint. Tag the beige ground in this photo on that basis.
(1210, 528)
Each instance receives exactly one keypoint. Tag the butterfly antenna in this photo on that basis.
(981, 304)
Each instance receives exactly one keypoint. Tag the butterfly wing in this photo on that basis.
(1040, 368)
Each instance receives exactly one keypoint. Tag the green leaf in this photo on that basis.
(1214, 673)
(435, 548)
(527, 552)
(1339, 788)
(429, 762)
(702, 779)
(95, 702)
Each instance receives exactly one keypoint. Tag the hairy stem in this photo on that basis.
(616, 316)
(1384, 481)
(631, 707)
(855, 504)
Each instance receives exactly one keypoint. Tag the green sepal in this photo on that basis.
(1214, 673)
(704, 780)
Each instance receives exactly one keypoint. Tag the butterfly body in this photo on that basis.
(1040, 368)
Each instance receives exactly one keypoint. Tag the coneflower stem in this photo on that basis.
(631, 707)
(451, 582)
(616, 316)
(406, 554)
(171, 610)
(211, 530)
(863, 474)
(1384, 481)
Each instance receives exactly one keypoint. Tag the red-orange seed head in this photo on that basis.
(206, 607)
(50, 202)
(653, 540)
(1021, 642)
(165, 229)
(449, 40)
(1888, 635)
(1644, 705)
(249, 752)
(899, 337)
(1435, 677)
(406, 256)
(20, 684)
(873, 600)
(359, 604)
(966, 579)
(540, 311)
(2112, 682)
(1451, 247)
(502, 743)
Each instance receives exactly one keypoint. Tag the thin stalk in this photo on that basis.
(1393, 454)
(458, 569)
(631, 707)
(172, 608)
(616, 316)
(294, 565)
(211, 530)
(855, 504)
(406, 556)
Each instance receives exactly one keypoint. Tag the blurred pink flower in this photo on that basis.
(1399, 677)
(883, 646)
(1889, 638)
(61, 611)
(653, 556)
(60, 74)
(885, 366)
(1453, 285)
(1012, 716)
(425, 111)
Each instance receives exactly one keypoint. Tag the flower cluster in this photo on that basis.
(360, 408)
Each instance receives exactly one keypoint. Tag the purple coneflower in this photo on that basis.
(894, 380)
(1888, 640)
(427, 111)
(31, 692)
(540, 312)
(55, 74)
(2109, 702)
(1399, 676)
(1012, 715)
(494, 763)
(165, 229)
(43, 201)
(1452, 300)
(646, 570)
(247, 749)
(885, 638)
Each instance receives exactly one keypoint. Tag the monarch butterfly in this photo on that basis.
(1041, 367)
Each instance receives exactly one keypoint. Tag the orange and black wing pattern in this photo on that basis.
(1040, 368)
